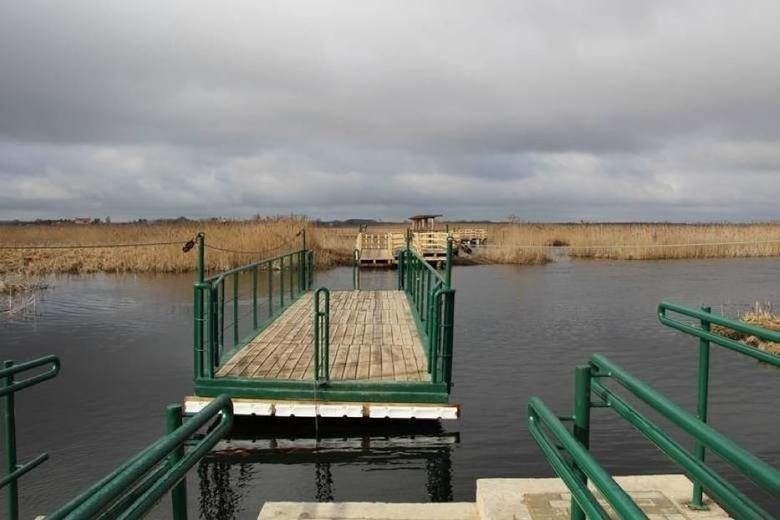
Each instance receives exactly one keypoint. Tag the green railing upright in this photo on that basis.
(432, 299)
(9, 385)
(554, 438)
(321, 335)
(704, 332)
(218, 300)
(135, 487)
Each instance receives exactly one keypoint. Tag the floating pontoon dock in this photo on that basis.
(279, 348)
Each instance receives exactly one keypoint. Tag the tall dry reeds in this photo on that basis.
(245, 241)
(643, 241)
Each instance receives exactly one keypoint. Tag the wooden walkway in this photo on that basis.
(373, 336)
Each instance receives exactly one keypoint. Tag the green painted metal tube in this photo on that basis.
(322, 335)
(448, 267)
(235, 309)
(722, 341)
(292, 277)
(356, 269)
(173, 421)
(9, 441)
(201, 237)
(539, 414)
(269, 268)
(735, 502)
(581, 426)
(22, 469)
(448, 329)
(281, 281)
(221, 345)
(10, 385)
(754, 468)
(198, 318)
(254, 297)
(212, 327)
(701, 403)
(15, 368)
(100, 496)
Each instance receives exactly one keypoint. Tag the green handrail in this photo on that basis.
(8, 387)
(591, 380)
(541, 417)
(714, 319)
(136, 486)
(356, 269)
(321, 335)
(432, 300)
(209, 310)
(706, 336)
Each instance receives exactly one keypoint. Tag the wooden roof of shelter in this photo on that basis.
(423, 217)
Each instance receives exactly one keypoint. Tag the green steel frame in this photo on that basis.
(431, 299)
(9, 385)
(136, 486)
(592, 379)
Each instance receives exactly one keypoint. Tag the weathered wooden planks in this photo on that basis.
(373, 336)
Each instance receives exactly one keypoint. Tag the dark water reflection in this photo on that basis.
(125, 346)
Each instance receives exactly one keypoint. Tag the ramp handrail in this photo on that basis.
(706, 336)
(433, 303)
(590, 380)
(210, 347)
(136, 486)
(321, 335)
(8, 387)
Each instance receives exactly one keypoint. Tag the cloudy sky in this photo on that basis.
(554, 110)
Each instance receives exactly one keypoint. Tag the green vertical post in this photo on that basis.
(173, 421)
(448, 267)
(198, 314)
(254, 297)
(581, 426)
(701, 405)
(235, 309)
(281, 282)
(9, 446)
(409, 260)
(270, 268)
(292, 294)
(201, 256)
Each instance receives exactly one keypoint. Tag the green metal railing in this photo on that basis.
(592, 380)
(134, 488)
(356, 269)
(432, 300)
(322, 335)
(229, 303)
(706, 336)
(9, 385)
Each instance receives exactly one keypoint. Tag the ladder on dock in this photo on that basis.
(263, 337)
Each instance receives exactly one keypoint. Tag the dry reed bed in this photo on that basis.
(258, 239)
(760, 316)
(507, 243)
(642, 241)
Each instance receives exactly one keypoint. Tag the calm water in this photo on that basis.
(124, 342)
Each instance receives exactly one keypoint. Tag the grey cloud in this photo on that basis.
(543, 109)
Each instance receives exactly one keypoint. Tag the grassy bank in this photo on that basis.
(241, 242)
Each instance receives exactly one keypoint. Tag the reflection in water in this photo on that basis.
(375, 445)
(220, 497)
(324, 482)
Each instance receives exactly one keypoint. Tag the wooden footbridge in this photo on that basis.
(266, 339)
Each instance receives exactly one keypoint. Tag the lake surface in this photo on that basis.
(125, 346)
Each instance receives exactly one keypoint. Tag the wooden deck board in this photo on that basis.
(373, 336)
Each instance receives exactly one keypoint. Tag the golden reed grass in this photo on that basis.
(643, 241)
(760, 316)
(263, 238)
(333, 246)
